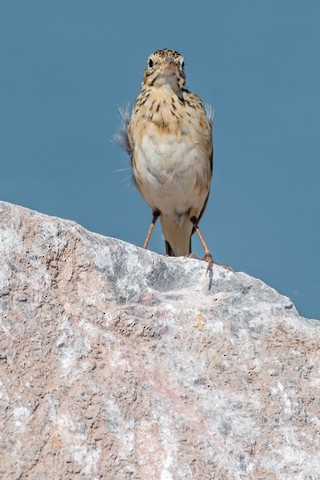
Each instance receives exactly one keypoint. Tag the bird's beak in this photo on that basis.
(168, 67)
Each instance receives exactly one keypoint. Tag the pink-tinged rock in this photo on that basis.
(119, 363)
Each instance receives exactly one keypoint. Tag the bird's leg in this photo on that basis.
(155, 216)
(207, 255)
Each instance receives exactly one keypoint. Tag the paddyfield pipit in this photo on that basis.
(169, 139)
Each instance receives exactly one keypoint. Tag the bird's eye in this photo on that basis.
(150, 63)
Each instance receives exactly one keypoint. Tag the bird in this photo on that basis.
(169, 139)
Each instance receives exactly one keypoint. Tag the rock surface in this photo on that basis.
(119, 363)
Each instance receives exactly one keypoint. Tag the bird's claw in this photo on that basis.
(208, 258)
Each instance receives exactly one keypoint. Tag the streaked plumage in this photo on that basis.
(170, 143)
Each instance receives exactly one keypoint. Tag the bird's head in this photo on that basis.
(165, 67)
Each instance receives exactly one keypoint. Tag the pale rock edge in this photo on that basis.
(119, 363)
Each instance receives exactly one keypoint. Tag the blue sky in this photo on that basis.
(66, 68)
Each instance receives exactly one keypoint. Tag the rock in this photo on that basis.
(119, 363)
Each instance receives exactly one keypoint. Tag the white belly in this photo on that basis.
(172, 176)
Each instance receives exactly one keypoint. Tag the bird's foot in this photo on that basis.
(192, 255)
(208, 258)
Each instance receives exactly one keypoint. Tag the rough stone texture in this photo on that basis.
(118, 363)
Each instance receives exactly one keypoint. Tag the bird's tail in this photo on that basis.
(177, 236)
(171, 253)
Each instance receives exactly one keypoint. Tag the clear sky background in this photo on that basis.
(66, 66)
